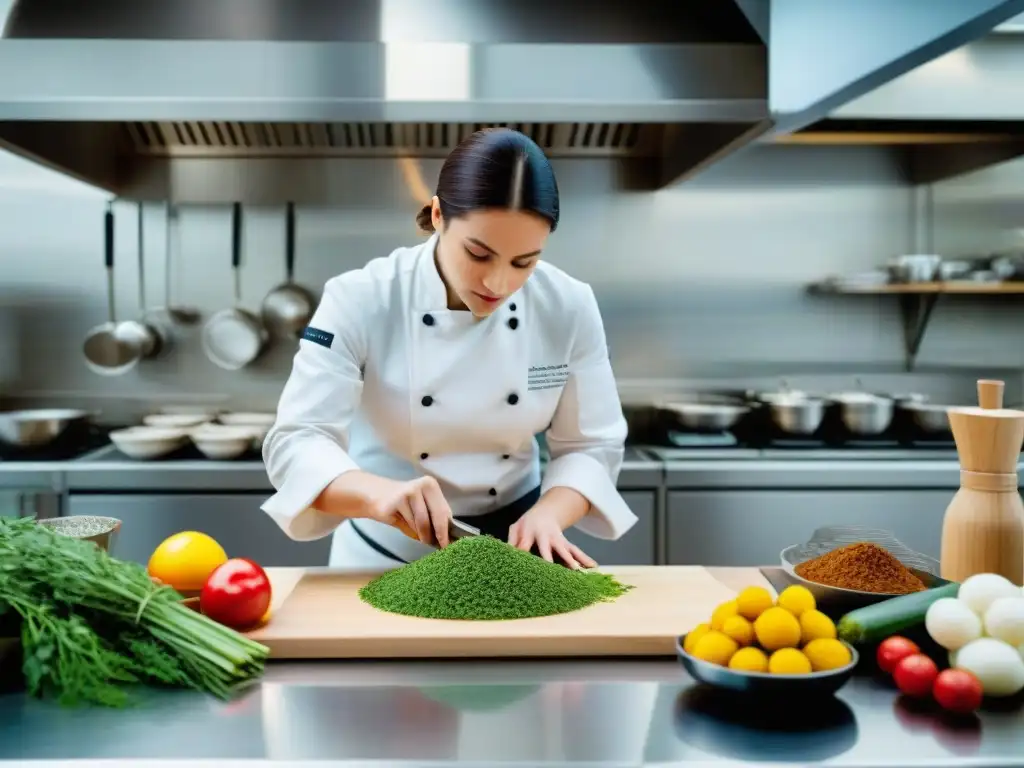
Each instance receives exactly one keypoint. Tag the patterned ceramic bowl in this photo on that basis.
(838, 599)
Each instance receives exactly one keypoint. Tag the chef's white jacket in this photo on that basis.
(388, 380)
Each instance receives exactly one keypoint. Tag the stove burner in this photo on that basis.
(703, 440)
(71, 445)
(797, 443)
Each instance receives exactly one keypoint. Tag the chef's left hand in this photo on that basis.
(542, 526)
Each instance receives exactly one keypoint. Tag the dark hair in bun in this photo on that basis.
(495, 168)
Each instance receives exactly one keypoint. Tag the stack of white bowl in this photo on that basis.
(149, 442)
(233, 434)
(216, 435)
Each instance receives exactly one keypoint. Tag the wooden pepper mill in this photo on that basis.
(983, 530)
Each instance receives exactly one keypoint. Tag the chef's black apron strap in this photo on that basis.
(375, 546)
(498, 522)
(494, 523)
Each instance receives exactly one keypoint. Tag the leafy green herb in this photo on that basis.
(483, 578)
(92, 625)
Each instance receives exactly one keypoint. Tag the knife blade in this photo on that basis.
(460, 530)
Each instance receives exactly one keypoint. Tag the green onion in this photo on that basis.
(92, 626)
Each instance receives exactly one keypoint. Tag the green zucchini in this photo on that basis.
(878, 621)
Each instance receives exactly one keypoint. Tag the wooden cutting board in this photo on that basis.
(317, 614)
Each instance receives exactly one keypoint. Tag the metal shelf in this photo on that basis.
(917, 302)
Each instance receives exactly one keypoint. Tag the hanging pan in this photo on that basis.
(288, 308)
(113, 348)
(150, 337)
(234, 338)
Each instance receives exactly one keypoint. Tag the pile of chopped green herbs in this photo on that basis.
(93, 626)
(482, 578)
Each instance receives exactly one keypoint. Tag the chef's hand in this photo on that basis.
(543, 527)
(415, 507)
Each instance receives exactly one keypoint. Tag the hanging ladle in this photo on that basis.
(112, 348)
(180, 315)
(150, 339)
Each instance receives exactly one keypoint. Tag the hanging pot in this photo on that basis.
(234, 338)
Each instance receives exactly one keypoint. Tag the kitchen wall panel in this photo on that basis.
(977, 215)
(699, 283)
(981, 212)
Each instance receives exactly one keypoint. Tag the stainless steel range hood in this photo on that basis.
(213, 100)
(955, 114)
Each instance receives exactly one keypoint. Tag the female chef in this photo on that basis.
(423, 377)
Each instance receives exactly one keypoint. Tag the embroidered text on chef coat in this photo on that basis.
(547, 377)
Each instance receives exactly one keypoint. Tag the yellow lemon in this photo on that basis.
(797, 599)
(723, 612)
(739, 629)
(693, 636)
(815, 625)
(753, 601)
(827, 653)
(789, 661)
(777, 628)
(749, 660)
(185, 560)
(715, 647)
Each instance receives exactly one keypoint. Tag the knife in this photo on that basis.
(459, 530)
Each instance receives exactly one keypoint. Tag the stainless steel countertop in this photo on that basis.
(106, 469)
(536, 712)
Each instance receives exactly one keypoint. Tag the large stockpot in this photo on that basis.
(863, 413)
(927, 418)
(794, 413)
(705, 413)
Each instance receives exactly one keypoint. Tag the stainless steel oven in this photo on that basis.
(29, 492)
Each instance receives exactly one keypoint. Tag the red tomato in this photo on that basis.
(237, 594)
(957, 690)
(893, 650)
(915, 675)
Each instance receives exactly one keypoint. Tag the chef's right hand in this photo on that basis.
(415, 507)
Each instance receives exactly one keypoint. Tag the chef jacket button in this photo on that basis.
(513, 323)
(428, 319)
(512, 399)
(427, 401)
(506, 456)
(493, 491)
(512, 306)
(423, 456)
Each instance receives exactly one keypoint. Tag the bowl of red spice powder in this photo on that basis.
(846, 567)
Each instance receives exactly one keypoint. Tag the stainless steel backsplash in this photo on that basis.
(702, 284)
